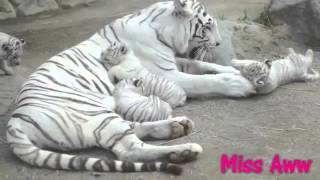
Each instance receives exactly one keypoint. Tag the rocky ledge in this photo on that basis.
(14, 8)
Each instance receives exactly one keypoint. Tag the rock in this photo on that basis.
(6, 10)
(30, 7)
(72, 3)
(302, 17)
(249, 40)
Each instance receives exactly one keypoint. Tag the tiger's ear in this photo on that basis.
(183, 8)
(23, 42)
(137, 82)
(268, 63)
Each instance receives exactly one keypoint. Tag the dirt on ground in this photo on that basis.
(285, 122)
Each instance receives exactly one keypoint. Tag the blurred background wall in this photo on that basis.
(222, 8)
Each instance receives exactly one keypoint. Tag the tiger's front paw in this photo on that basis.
(236, 86)
(181, 126)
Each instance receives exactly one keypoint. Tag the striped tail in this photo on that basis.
(30, 153)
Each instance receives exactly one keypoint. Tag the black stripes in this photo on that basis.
(159, 14)
(97, 166)
(128, 167)
(148, 16)
(114, 32)
(100, 164)
(148, 167)
(77, 163)
(28, 119)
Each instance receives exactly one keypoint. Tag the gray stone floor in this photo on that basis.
(285, 122)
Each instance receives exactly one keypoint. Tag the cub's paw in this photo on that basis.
(303, 65)
(312, 75)
(188, 152)
(236, 86)
(181, 126)
(8, 71)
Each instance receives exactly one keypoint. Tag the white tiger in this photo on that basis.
(133, 106)
(123, 64)
(66, 104)
(11, 50)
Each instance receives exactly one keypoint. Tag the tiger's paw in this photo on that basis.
(181, 126)
(188, 152)
(303, 65)
(236, 85)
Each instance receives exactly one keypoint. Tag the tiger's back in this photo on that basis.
(66, 105)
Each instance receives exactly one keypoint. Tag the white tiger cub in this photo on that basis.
(133, 106)
(11, 50)
(292, 68)
(256, 72)
(123, 64)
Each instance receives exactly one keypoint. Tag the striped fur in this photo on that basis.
(257, 72)
(123, 64)
(133, 106)
(11, 50)
(66, 104)
(292, 68)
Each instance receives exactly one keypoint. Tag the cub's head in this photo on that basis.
(131, 85)
(11, 49)
(204, 27)
(257, 73)
(114, 54)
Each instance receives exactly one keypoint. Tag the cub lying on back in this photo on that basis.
(11, 50)
(123, 64)
(266, 77)
(256, 72)
(133, 106)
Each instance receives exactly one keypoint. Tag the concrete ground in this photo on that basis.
(285, 122)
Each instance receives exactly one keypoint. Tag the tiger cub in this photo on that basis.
(11, 50)
(123, 64)
(257, 72)
(133, 106)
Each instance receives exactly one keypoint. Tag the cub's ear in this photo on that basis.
(23, 42)
(137, 82)
(268, 63)
(183, 8)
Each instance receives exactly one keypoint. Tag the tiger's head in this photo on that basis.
(11, 49)
(114, 54)
(203, 27)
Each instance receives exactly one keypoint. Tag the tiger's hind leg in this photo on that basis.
(115, 134)
(164, 129)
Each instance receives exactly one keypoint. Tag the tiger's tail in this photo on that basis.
(27, 151)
